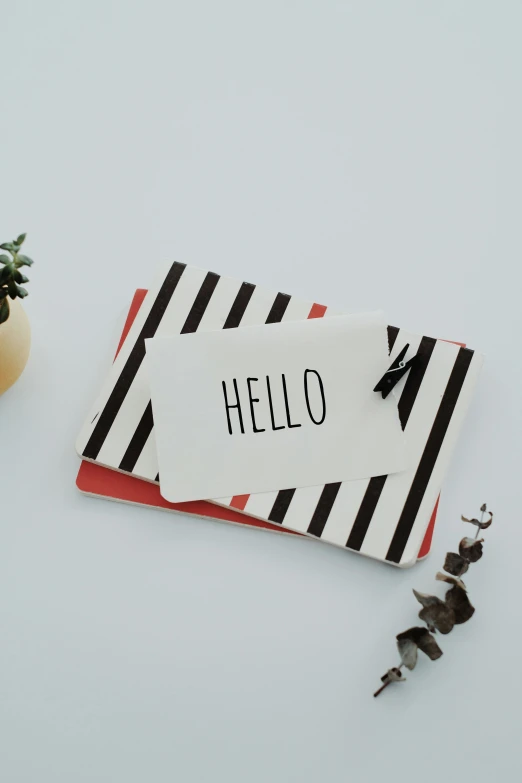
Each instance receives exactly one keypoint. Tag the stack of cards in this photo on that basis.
(232, 402)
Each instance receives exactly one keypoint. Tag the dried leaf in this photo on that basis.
(452, 580)
(407, 650)
(471, 549)
(435, 613)
(393, 675)
(425, 599)
(455, 564)
(478, 523)
(457, 600)
(427, 644)
(440, 615)
(438, 618)
(416, 638)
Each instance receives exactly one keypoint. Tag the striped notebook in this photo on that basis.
(385, 517)
(98, 481)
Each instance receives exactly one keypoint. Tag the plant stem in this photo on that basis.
(389, 682)
(479, 528)
(382, 688)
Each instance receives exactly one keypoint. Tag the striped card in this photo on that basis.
(384, 517)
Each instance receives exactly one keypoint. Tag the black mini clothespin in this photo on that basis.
(394, 373)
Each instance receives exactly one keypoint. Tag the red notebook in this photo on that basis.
(102, 482)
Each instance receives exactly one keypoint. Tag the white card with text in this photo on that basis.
(280, 405)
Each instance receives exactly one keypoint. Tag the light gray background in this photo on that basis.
(366, 154)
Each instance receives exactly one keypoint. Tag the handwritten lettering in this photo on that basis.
(310, 378)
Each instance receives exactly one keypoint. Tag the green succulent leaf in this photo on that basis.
(4, 310)
(12, 288)
(5, 273)
(24, 261)
(10, 276)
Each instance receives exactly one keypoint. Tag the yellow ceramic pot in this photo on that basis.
(15, 343)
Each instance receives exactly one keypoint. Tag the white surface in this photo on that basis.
(367, 154)
(356, 434)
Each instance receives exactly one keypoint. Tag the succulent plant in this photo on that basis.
(10, 275)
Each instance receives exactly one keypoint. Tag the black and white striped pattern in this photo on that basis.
(119, 432)
(384, 517)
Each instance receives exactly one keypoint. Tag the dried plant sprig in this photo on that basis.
(440, 614)
(10, 275)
